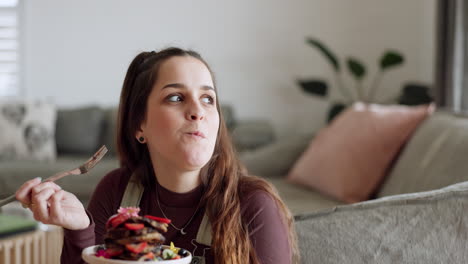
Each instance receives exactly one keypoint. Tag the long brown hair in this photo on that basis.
(224, 177)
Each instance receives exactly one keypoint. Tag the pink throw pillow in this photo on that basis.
(348, 159)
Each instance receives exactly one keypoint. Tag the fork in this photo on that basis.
(84, 168)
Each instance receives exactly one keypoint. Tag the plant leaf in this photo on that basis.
(326, 52)
(391, 59)
(314, 87)
(415, 94)
(356, 68)
(334, 111)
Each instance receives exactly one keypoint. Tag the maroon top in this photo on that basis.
(267, 232)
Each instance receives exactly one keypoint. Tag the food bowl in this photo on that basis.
(89, 253)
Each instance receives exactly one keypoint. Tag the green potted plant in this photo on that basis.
(389, 59)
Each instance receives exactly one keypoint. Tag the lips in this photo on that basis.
(197, 134)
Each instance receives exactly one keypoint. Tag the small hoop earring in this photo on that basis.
(141, 139)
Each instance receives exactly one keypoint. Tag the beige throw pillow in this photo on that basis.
(349, 158)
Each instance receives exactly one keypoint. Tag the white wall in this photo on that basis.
(77, 52)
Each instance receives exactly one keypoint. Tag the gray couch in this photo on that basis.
(416, 218)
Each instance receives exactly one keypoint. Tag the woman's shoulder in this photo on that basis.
(256, 194)
(260, 210)
(258, 203)
(264, 218)
(256, 199)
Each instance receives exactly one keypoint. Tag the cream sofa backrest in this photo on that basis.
(427, 227)
(435, 157)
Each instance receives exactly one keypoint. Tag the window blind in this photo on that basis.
(9, 48)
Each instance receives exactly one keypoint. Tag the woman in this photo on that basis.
(172, 139)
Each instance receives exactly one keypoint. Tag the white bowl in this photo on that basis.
(88, 255)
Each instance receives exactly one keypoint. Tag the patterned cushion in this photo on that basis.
(27, 131)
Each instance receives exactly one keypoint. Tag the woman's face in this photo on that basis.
(182, 121)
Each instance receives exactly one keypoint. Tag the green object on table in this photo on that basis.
(11, 225)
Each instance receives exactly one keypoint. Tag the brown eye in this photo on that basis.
(174, 98)
(208, 100)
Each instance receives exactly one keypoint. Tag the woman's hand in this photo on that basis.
(52, 205)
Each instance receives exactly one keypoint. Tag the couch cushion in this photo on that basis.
(349, 158)
(228, 115)
(301, 200)
(109, 130)
(79, 130)
(15, 173)
(283, 152)
(252, 134)
(27, 130)
(435, 157)
(427, 227)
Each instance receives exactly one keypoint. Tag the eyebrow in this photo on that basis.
(182, 86)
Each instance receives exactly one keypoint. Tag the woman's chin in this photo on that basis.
(195, 159)
(195, 163)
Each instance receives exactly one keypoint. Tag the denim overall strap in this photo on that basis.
(203, 237)
(133, 192)
(204, 232)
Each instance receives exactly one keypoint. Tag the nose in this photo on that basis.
(195, 112)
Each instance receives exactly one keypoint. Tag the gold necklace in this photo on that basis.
(182, 230)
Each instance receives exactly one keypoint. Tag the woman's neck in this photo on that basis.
(175, 180)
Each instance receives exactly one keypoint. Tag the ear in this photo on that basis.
(139, 134)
